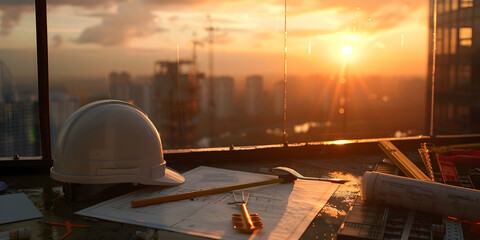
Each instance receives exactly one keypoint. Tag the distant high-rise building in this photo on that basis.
(457, 72)
(120, 86)
(62, 106)
(19, 121)
(254, 95)
(19, 129)
(278, 96)
(175, 104)
(203, 95)
(7, 90)
(142, 94)
(224, 97)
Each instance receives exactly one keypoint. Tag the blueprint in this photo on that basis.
(286, 210)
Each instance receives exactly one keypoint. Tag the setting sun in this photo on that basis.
(347, 50)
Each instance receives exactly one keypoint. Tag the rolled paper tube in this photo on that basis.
(419, 195)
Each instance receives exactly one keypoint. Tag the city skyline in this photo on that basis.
(252, 115)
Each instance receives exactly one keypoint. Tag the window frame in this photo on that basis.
(43, 94)
(43, 78)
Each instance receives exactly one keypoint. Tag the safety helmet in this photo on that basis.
(111, 141)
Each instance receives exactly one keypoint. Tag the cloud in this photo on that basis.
(370, 17)
(11, 17)
(12, 10)
(173, 19)
(306, 33)
(220, 37)
(77, 3)
(391, 16)
(347, 6)
(385, 15)
(133, 19)
(267, 35)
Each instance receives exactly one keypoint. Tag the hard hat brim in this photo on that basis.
(171, 178)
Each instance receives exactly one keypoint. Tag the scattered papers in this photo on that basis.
(17, 207)
(286, 210)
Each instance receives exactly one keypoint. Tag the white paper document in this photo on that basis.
(286, 210)
(17, 207)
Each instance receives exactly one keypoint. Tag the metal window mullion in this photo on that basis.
(43, 84)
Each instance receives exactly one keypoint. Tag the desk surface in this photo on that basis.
(45, 193)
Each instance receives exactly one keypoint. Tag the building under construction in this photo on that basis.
(175, 103)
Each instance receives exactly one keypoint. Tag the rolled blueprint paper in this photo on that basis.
(432, 197)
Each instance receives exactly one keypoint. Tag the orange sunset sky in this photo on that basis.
(90, 38)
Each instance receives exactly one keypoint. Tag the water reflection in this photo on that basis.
(332, 211)
(344, 196)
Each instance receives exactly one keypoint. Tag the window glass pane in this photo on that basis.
(440, 5)
(455, 93)
(465, 33)
(212, 73)
(453, 77)
(446, 41)
(464, 77)
(466, 3)
(19, 122)
(465, 36)
(364, 72)
(454, 5)
(453, 40)
(204, 74)
(439, 40)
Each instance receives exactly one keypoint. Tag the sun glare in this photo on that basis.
(347, 50)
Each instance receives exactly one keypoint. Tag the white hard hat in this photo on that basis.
(111, 141)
